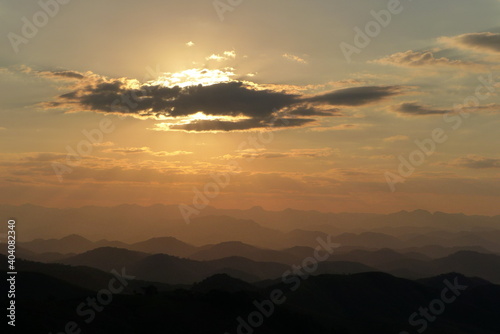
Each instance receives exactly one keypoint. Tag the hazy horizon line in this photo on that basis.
(432, 212)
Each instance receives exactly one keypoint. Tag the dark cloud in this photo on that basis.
(483, 40)
(232, 98)
(45, 156)
(236, 99)
(130, 150)
(68, 74)
(477, 162)
(296, 153)
(416, 109)
(246, 124)
(310, 111)
(222, 99)
(356, 96)
(62, 74)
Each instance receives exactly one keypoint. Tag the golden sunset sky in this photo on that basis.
(315, 102)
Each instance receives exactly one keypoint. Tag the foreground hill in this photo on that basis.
(486, 266)
(86, 278)
(380, 303)
(348, 304)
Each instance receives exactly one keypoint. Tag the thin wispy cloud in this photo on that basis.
(421, 59)
(477, 162)
(266, 154)
(397, 138)
(294, 58)
(145, 150)
(226, 55)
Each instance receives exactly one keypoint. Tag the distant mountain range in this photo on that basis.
(351, 273)
(286, 247)
(252, 264)
(134, 223)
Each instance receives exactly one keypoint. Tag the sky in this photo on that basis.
(329, 105)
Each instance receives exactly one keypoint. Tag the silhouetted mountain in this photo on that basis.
(48, 250)
(173, 270)
(26, 254)
(263, 270)
(170, 269)
(106, 258)
(120, 222)
(285, 220)
(356, 304)
(437, 281)
(38, 286)
(486, 239)
(236, 248)
(434, 244)
(165, 245)
(474, 264)
(368, 240)
(375, 258)
(437, 251)
(342, 268)
(384, 303)
(300, 252)
(486, 266)
(218, 229)
(222, 282)
(457, 240)
(86, 278)
(69, 244)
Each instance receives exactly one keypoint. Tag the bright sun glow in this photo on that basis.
(199, 116)
(195, 76)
